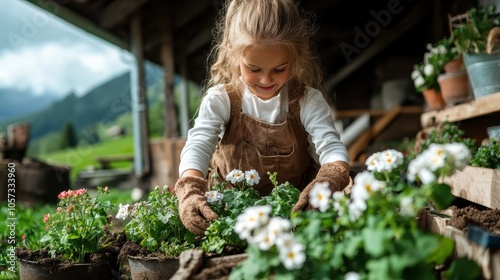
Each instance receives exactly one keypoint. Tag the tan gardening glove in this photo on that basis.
(194, 210)
(334, 173)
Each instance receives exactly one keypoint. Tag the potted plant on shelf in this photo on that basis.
(474, 33)
(77, 240)
(425, 74)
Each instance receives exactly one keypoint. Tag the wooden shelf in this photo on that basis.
(480, 107)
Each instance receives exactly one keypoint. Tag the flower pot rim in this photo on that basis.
(146, 258)
(452, 74)
(59, 264)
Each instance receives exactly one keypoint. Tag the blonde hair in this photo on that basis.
(267, 23)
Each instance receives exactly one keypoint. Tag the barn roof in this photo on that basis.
(358, 40)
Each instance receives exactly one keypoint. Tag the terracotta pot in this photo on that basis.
(455, 87)
(152, 268)
(32, 270)
(454, 65)
(434, 99)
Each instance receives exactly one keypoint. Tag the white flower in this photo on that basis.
(460, 152)
(436, 156)
(384, 161)
(337, 206)
(252, 177)
(419, 81)
(391, 159)
(122, 212)
(277, 226)
(372, 162)
(235, 176)
(214, 196)
(426, 176)
(407, 206)
(356, 209)
(319, 197)
(285, 241)
(263, 239)
(365, 184)
(415, 74)
(428, 69)
(293, 258)
(253, 217)
(352, 276)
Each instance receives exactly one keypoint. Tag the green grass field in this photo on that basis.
(83, 157)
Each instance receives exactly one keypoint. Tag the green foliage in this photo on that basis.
(372, 233)
(68, 137)
(463, 268)
(448, 132)
(155, 224)
(28, 231)
(488, 155)
(425, 74)
(220, 234)
(78, 226)
(471, 36)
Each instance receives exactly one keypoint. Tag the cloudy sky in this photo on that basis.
(44, 54)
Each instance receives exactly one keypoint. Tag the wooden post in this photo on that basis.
(184, 112)
(139, 101)
(167, 58)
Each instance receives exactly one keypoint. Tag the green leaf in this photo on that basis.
(462, 268)
(46, 238)
(374, 241)
(442, 251)
(441, 196)
(379, 269)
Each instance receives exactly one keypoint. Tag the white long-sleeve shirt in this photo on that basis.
(315, 116)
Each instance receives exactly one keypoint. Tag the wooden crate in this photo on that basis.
(488, 260)
(477, 184)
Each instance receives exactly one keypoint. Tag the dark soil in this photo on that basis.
(487, 219)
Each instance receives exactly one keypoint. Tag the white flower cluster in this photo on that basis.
(214, 196)
(123, 211)
(438, 158)
(259, 229)
(384, 161)
(365, 184)
(237, 176)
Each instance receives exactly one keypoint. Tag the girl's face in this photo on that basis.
(265, 70)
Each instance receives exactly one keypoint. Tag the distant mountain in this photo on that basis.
(102, 104)
(15, 103)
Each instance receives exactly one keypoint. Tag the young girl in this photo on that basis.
(262, 111)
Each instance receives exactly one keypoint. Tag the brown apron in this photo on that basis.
(249, 143)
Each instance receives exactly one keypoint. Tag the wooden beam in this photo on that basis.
(365, 138)
(118, 11)
(189, 10)
(386, 37)
(342, 114)
(80, 21)
(203, 38)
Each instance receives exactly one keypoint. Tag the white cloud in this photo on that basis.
(60, 68)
